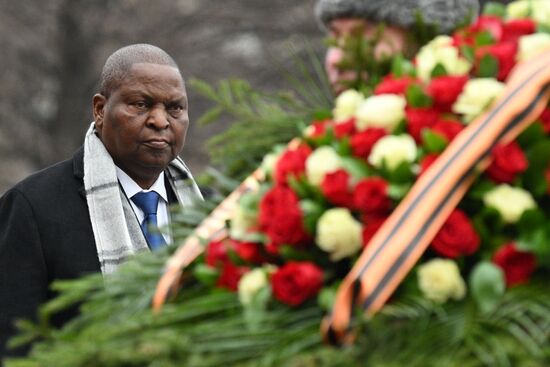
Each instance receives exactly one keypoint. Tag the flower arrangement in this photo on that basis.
(328, 192)
(479, 286)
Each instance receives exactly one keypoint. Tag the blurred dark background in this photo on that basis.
(53, 51)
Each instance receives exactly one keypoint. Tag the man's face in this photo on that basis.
(144, 121)
(391, 41)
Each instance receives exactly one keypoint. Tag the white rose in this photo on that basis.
(532, 44)
(323, 160)
(338, 233)
(346, 105)
(440, 51)
(384, 110)
(476, 97)
(439, 280)
(242, 221)
(509, 201)
(541, 12)
(518, 9)
(393, 150)
(269, 162)
(250, 284)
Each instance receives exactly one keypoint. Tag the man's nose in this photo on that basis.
(158, 117)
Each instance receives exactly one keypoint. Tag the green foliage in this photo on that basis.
(416, 96)
(117, 328)
(487, 285)
(488, 67)
(433, 142)
(261, 120)
(494, 8)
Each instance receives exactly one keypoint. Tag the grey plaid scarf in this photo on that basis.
(116, 230)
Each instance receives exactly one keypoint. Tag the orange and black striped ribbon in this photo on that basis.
(406, 234)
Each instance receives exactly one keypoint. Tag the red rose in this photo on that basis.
(448, 129)
(485, 23)
(445, 90)
(319, 128)
(296, 282)
(345, 128)
(508, 161)
(230, 276)
(370, 226)
(249, 251)
(216, 254)
(517, 265)
(335, 187)
(456, 237)
(371, 196)
(491, 24)
(426, 162)
(504, 53)
(362, 143)
(419, 119)
(291, 162)
(545, 119)
(393, 85)
(514, 29)
(281, 218)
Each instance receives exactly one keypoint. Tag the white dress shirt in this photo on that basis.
(131, 188)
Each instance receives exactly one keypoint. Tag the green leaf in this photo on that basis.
(256, 312)
(357, 168)
(433, 142)
(211, 115)
(488, 67)
(496, 9)
(342, 147)
(326, 297)
(397, 66)
(207, 275)
(250, 201)
(539, 160)
(533, 134)
(312, 211)
(530, 221)
(402, 67)
(536, 242)
(438, 70)
(484, 38)
(398, 191)
(468, 53)
(416, 97)
(402, 174)
(480, 188)
(299, 186)
(487, 285)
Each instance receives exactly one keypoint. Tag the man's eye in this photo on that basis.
(176, 109)
(140, 104)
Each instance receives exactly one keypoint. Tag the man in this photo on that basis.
(344, 18)
(89, 213)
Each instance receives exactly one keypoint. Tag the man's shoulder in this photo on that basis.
(55, 178)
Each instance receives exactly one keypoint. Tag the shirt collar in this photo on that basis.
(131, 187)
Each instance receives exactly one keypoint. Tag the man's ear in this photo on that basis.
(98, 106)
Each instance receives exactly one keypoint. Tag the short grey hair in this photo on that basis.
(119, 63)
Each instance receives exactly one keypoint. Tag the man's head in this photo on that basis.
(343, 18)
(141, 113)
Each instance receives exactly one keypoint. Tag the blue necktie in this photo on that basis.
(148, 202)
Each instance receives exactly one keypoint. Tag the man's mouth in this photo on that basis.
(156, 143)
